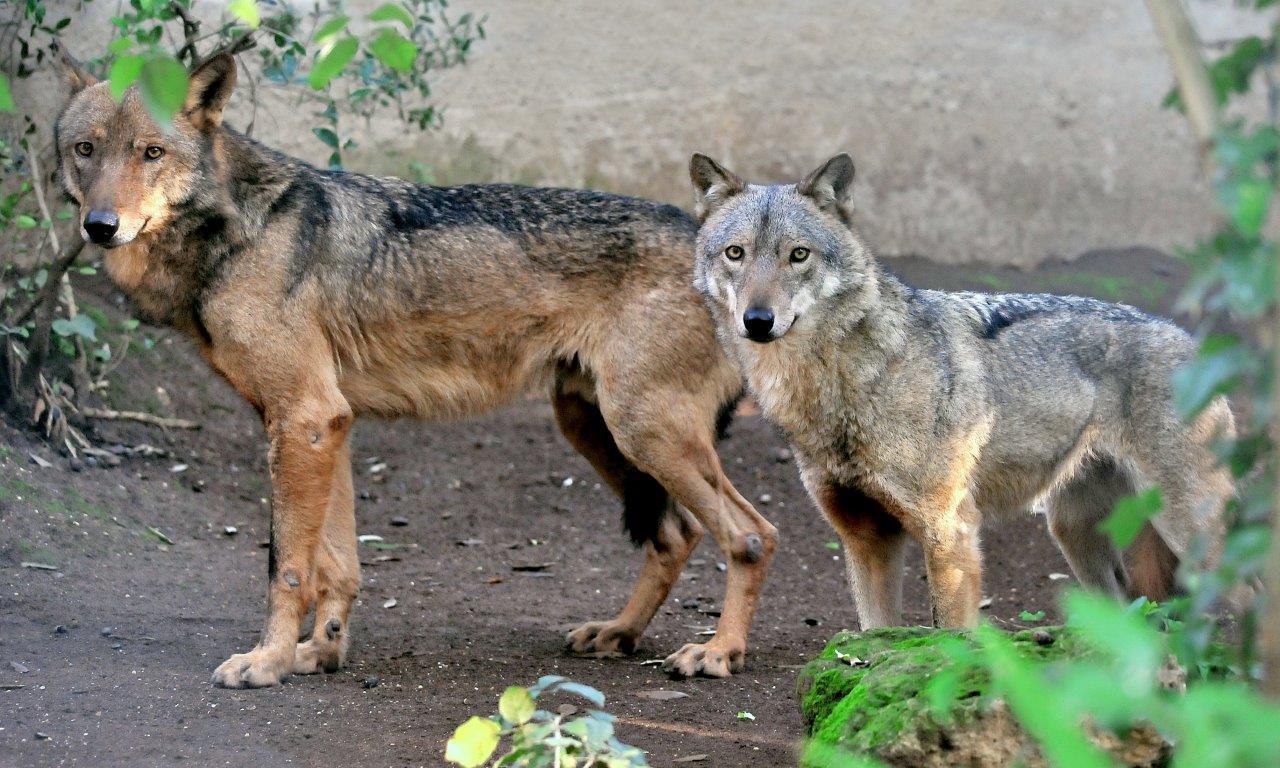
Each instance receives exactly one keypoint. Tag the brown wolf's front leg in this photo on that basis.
(308, 437)
(337, 578)
(695, 479)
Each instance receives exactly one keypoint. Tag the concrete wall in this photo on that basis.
(1004, 131)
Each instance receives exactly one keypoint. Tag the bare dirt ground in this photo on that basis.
(105, 660)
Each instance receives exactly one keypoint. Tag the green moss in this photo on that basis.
(869, 691)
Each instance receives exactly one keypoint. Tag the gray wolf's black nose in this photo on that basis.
(758, 322)
(101, 226)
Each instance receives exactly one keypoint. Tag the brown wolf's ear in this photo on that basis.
(73, 72)
(712, 183)
(831, 184)
(209, 90)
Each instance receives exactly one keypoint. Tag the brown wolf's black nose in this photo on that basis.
(101, 226)
(758, 322)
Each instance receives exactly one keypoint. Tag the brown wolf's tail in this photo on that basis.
(1152, 565)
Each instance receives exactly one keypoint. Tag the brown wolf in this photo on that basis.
(914, 412)
(322, 296)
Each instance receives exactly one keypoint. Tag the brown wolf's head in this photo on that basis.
(124, 170)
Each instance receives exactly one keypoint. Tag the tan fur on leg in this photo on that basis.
(678, 534)
(337, 578)
(307, 437)
(873, 548)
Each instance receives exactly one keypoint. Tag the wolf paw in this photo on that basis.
(312, 657)
(603, 639)
(259, 668)
(711, 659)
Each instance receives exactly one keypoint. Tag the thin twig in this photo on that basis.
(145, 418)
(190, 29)
(240, 43)
(80, 366)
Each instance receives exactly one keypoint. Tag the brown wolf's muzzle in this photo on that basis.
(101, 226)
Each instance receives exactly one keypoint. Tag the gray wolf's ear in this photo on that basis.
(209, 90)
(73, 73)
(712, 183)
(830, 185)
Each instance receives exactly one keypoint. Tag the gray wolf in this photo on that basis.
(916, 412)
(323, 296)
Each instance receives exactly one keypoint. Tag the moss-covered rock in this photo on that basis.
(899, 695)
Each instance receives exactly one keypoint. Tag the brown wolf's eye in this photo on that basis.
(733, 252)
(84, 149)
(154, 152)
(799, 254)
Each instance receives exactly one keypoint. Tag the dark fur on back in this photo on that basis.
(995, 312)
(365, 235)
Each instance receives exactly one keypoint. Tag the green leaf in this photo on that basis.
(473, 742)
(81, 325)
(331, 63)
(545, 682)
(1249, 205)
(6, 95)
(24, 221)
(392, 12)
(585, 691)
(163, 82)
(1218, 366)
(394, 50)
(124, 72)
(1029, 616)
(516, 705)
(1119, 633)
(330, 28)
(119, 45)
(1129, 515)
(327, 136)
(1231, 73)
(834, 546)
(246, 11)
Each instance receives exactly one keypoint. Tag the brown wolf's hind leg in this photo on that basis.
(307, 434)
(337, 578)
(665, 553)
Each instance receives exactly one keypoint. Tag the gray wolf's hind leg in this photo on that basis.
(1074, 513)
(1193, 484)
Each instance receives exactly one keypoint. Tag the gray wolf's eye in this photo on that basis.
(154, 153)
(799, 254)
(733, 252)
(84, 149)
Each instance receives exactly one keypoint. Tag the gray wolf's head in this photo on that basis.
(768, 255)
(124, 171)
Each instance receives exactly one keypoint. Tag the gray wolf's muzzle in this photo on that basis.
(758, 322)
